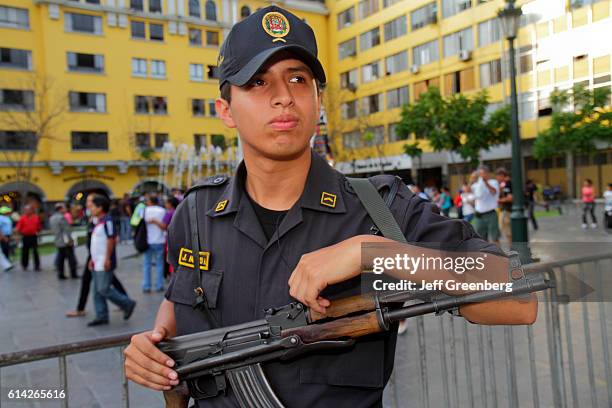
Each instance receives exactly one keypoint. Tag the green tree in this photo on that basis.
(457, 123)
(579, 119)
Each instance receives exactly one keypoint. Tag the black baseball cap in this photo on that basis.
(257, 38)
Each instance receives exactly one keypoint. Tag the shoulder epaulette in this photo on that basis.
(214, 181)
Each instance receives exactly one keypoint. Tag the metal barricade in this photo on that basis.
(563, 360)
(62, 351)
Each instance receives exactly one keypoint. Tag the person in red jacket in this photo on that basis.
(29, 226)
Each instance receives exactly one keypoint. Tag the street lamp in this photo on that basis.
(509, 18)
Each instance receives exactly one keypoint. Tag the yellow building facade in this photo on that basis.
(456, 45)
(107, 82)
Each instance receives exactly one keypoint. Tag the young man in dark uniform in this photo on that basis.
(287, 227)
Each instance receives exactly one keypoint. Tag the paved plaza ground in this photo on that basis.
(32, 307)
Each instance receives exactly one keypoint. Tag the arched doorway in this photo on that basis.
(18, 193)
(150, 186)
(80, 190)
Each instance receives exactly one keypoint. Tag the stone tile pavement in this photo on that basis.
(32, 307)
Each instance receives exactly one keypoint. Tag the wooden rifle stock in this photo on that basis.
(345, 306)
(352, 326)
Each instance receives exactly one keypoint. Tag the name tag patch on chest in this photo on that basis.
(186, 259)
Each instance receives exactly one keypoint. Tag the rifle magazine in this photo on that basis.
(252, 388)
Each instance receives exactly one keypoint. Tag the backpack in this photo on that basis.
(111, 234)
(140, 235)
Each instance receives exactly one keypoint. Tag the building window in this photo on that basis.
(212, 38)
(139, 67)
(138, 29)
(212, 72)
(460, 41)
(397, 63)
(89, 140)
(195, 36)
(194, 8)
(459, 81)
(527, 106)
(490, 73)
(369, 39)
(197, 107)
(367, 8)
(16, 100)
(158, 69)
(428, 14)
(211, 10)
(155, 6)
(136, 5)
(218, 141)
(14, 17)
(141, 104)
(156, 32)
(452, 7)
(379, 135)
(160, 105)
(14, 58)
(347, 49)
(83, 23)
(156, 105)
(17, 140)
(395, 28)
(371, 104)
(160, 140)
(348, 80)
(143, 141)
(85, 62)
(397, 97)
(349, 109)
(245, 11)
(212, 108)
(87, 102)
(393, 136)
(370, 72)
(196, 72)
(199, 141)
(387, 3)
(525, 59)
(352, 140)
(488, 32)
(425, 53)
(346, 17)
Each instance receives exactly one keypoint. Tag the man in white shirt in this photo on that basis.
(156, 238)
(486, 194)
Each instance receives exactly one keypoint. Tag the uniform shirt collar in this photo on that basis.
(322, 191)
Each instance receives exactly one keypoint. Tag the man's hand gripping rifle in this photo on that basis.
(207, 360)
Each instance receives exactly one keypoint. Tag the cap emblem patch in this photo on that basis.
(276, 25)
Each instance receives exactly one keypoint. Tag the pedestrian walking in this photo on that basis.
(530, 201)
(468, 200)
(63, 242)
(29, 226)
(153, 215)
(504, 201)
(445, 202)
(86, 276)
(103, 263)
(125, 211)
(588, 201)
(486, 194)
(6, 230)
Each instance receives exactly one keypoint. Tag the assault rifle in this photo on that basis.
(206, 361)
